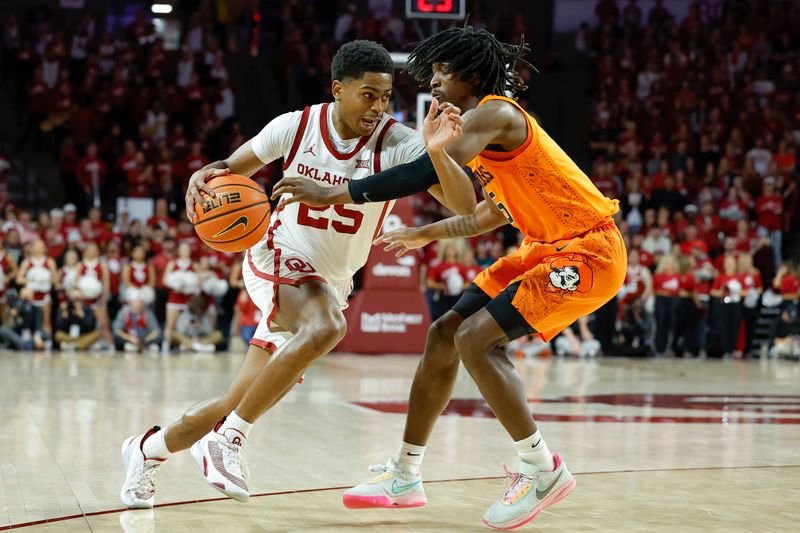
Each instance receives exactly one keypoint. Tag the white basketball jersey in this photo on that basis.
(336, 240)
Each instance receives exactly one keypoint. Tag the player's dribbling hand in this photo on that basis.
(403, 240)
(302, 190)
(197, 185)
(438, 131)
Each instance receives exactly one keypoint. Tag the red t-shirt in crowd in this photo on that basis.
(160, 263)
(114, 265)
(90, 171)
(249, 313)
(666, 284)
(56, 246)
(646, 258)
(745, 243)
(751, 280)
(427, 255)
(163, 168)
(790, 285)
(687, 283)
(442, 271)
(470, 272)
(688, 247)
(218, 260)
(721, 282)
(192, 164)
(126, 163)
(164, 222)
(770, 209)
(138, 183)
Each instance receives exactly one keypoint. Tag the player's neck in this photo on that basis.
(469, 103)
(344, 132)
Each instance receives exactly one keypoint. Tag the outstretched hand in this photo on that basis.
(403, 240)
(439, 130)
(302, 190)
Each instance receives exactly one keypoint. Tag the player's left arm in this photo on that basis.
(481, 126)
(456, 140)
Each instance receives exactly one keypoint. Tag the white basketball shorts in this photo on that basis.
(267, 267)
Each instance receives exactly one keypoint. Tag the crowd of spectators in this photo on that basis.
(694, 127)
(81, 284)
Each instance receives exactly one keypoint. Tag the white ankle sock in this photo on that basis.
(235, 428)
(534, 451)
(409, 457)
(155, 446)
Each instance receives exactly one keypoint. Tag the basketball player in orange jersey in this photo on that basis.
(571, 262)
(300, 273)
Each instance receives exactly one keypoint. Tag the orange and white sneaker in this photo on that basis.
(529, 493)
(139, 489)
(222, 464)
(393, 487)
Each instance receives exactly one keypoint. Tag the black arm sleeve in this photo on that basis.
(397, 182)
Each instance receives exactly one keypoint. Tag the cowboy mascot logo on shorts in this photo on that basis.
(570, 273)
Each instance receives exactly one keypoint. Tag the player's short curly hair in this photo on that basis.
(355, 58)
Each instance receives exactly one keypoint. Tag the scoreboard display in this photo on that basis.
(435, 9)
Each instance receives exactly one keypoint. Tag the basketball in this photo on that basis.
(236, 218)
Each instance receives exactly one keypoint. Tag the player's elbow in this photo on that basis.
(465, 206)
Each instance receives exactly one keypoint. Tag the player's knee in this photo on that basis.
(439, 348)
(466, 342)
(327, 332)
(444, 328)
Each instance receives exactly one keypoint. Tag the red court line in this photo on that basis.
(324, 489)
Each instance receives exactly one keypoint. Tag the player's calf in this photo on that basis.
(197, 420)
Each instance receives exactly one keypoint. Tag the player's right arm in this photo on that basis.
(243, 161)
(271, 143)
(486, 217)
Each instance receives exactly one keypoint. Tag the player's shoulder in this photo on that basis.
(498, 110)
(396, 132)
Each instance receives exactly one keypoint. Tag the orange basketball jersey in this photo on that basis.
(539, 188)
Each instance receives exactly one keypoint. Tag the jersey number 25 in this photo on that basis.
(352, 218)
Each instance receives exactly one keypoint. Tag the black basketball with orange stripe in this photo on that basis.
(236, 218)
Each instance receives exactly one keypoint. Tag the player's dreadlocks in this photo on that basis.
(473, 55)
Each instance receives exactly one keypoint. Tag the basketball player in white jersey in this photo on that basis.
(300, 273)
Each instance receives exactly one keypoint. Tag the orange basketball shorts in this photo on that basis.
(562, 281)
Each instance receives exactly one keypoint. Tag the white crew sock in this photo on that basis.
(235, 428)
(409, 457)
(534, 451)
(155, 446)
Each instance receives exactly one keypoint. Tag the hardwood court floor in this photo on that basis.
(667, 445)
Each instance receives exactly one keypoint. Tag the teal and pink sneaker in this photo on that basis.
(393, 487)
(530, 492)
